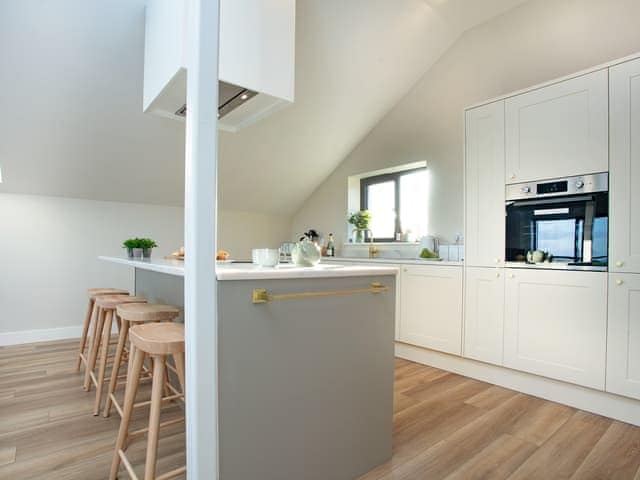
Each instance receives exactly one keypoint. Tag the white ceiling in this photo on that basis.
(71, 94)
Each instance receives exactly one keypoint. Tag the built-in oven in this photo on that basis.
(561, 221)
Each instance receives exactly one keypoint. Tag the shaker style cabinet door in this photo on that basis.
(431, 309)
(623, 339)
(484, 185)
(484, 314)
(555, 324)
(624, 176)
(558, 131)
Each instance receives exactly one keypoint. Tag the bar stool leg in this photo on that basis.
(154, 416)
(115, 370)
(129, 399)
(103, 361)
(85, 330)
(93, 348)
(178, 359)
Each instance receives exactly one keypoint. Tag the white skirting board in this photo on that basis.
(602, 403)
(41, 335)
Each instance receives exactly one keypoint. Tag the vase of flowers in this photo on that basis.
(361, 221)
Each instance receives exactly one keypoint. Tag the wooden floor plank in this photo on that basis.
(7, 455)
(496, 461)
(615, 456)
(564, 452)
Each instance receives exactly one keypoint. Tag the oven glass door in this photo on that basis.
(572, 229)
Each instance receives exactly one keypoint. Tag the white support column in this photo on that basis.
(201, 323)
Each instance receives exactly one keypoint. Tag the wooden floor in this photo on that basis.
(445, 426)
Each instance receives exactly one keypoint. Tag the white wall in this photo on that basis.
(49, 247)
(539, 41)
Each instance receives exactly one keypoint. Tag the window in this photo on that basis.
(397, 202)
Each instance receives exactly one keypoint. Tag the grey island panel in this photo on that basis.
(306, 385)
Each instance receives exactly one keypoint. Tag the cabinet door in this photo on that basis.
(556, 324)
(623, 339)
(559, 130)
(624, 176)
(431, 307)
(484, 187)
(484, 314)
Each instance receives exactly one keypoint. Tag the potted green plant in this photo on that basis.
(147, 245)
(361, 221)
(134, 249)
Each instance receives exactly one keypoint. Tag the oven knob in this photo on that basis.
(579, 184)
(525, 189)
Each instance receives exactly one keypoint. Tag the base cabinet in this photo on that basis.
(431, 311)
(556, 324)
(623, 339)
(484, 314)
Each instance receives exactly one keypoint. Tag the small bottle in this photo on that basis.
(331, 250)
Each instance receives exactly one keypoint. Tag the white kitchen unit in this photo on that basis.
(484, 185)
(624, 176)
(256, 64)
(431, 311)
(556, 324)
(558, 131)
(484, 314)
(623, 339)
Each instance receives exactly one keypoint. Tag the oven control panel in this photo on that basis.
(597, 182)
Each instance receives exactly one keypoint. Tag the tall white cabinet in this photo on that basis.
(431, 312)
(624, 177)
(559, 130)
(623, 339)
(484, 185)
(623, 352)
(555, 324)
(484, 314)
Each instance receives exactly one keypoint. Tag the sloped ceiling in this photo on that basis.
(71, 92)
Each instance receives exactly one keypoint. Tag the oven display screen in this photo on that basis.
(553, 187)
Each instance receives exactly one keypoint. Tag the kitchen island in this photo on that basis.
(305, 365)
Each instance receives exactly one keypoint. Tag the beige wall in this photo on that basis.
(539, 41)
(239, 232)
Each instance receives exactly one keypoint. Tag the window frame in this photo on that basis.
(366, 182)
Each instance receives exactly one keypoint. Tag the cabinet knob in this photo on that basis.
(619, 282)
(406, 269)
(512, 275)
(498, 275)
(619, 264)
(497, 260)
(512, 176)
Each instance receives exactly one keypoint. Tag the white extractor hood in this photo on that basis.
(257, 59)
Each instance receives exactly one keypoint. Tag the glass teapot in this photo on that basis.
(305, 253)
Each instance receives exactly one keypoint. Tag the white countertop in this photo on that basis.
(395, 261)
(247, 271)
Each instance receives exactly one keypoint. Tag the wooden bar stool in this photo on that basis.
(157, 340)
(102, 338)
(132, 313)
(89, 319)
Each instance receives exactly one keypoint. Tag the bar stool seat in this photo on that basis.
(158, 340)
(100, 346)
(89, 320)
(133, 313)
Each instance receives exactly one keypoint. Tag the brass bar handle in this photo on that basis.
(260, 295)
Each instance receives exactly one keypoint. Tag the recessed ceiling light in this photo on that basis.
(244, 96)
(0, 173)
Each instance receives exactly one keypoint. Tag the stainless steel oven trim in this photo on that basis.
(596, 182)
